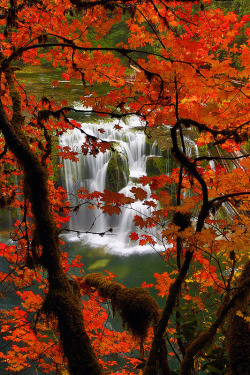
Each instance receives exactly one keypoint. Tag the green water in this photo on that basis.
(130, 270)
(38, 82)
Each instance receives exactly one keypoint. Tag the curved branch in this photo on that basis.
(200, 158)
(45, 113)
(175, 287)
(190, 166)
(224, 197)
(226, 133)
(167, 312)
(123, 51)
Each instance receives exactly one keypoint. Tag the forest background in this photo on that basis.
(192, 64)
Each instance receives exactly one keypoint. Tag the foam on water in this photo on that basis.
(90, 172)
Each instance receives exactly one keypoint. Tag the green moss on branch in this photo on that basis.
(136, 307)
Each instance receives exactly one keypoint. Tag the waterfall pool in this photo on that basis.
(91, 173)
(131, 267)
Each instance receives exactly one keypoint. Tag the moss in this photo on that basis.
(216, 152)
(151, 144)
(136, 307)
(203, 151)
(148, 145)
(117, 172)
(65, 305)
(160, 135)
(155, 166)
(247, 146)
(202, 342)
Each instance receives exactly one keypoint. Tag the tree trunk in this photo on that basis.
(60, 300)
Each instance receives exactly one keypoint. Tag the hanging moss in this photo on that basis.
(136, 307)
(117, 172)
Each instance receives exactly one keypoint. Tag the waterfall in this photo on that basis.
(90, 172)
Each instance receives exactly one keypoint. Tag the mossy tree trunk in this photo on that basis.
(60, 300)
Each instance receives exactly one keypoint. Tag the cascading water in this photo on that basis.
(90, 172)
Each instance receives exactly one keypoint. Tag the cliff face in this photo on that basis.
(117, 172)
(161, 137)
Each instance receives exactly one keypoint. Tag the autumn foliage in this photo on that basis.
(192, 76)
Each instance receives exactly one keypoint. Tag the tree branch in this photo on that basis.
(205, 339)
(60, 301)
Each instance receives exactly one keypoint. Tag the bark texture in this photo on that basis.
(60, 300)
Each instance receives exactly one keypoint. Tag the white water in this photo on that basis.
(90, 172)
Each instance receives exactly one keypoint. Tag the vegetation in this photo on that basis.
(155, 166)
(186, 79)
(117, 172)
